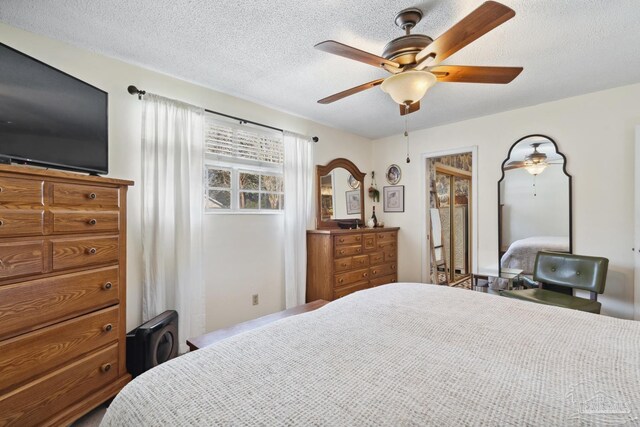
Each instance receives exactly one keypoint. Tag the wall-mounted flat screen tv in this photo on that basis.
(49, 118)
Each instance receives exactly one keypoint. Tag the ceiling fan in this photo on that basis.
(413, 59)
(534, 162)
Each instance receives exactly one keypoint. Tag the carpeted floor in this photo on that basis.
(93, 418)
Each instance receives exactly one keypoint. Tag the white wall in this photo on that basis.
(540, 210)
(243, 253)
(594, 131)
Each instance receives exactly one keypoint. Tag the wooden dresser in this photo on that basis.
(62, 294)
(340, 262)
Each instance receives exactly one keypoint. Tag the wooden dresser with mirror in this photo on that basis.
(62, 294)
(342, 261)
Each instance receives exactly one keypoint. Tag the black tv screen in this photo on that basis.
(50, 118)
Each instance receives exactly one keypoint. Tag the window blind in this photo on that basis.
(229, 141)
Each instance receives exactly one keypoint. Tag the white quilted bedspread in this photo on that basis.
(402, 355)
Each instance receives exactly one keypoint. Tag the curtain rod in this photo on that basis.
(135, 91)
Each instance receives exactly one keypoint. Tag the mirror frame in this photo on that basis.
(325, 170)
(564, 169)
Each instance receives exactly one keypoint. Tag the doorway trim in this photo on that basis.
(426, 224)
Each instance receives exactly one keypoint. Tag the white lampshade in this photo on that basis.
(408, 87)
(535, 168)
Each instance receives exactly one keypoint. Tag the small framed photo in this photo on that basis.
(393, 198)
(353, 202)
(353, 183)
(394, 173)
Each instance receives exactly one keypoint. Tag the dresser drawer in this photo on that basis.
(369, 242)
(35, 402)
(383, 270)
(379, 281)
(27, 356)
(339, 293)
(28, 305)
(342, 264)
(69, 253)
(342, 251)
(21, 258)
(21, 222)
(21, 192)
(350, 239)
(376, 258)
(387, 246)
(351, 277)
(84, 222)
(84, 195)
(360, 261)
(386, 236)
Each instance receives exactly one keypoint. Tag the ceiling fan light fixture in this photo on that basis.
(408, 87)
(535, 162)
(535, 168)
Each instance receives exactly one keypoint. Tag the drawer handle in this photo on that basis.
(341, 251)
(374, 272)
(358, 250)
(393, 267)
(341, 240)
(92, 221)
(1, 189)
(344, 264)
(365, 274)
(92, 196)
(1, 223)
(393, 280)
(340, 280)
(357, 238)
(92, 251)
(107, 286)
(106, 367)
(108, 327)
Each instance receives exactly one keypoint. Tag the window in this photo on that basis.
(243, 168)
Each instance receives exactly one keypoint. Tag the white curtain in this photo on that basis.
(298, 214)
(172, 212)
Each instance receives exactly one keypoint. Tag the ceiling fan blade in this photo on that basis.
(348, 92)
(515, 163)
(478, 23)
(471, 74)
(332, 46)
(412, 108)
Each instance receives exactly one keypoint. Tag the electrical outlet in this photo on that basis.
(254, 299)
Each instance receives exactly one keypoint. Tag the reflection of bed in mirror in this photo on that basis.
(521, 254)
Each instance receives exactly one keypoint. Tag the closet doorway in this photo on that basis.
(450, 213)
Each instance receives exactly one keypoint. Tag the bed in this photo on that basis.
(402, 355)
(521, 254)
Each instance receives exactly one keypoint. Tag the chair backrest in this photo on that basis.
(572, 271)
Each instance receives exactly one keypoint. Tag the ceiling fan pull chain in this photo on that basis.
(406, 129)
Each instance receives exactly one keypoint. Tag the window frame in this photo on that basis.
(236, 169)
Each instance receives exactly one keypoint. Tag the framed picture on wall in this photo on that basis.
(353, 202)
(393, 198)
(394, 173)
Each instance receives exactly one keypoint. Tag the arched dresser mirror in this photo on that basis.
(534, 203)
(340, 189)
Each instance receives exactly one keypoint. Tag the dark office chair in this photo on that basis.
(565, 272)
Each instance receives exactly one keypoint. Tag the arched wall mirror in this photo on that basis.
(534, 203)
(340, 189)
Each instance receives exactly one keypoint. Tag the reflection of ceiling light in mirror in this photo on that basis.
(535, 162)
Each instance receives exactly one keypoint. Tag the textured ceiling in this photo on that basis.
(263, 50)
